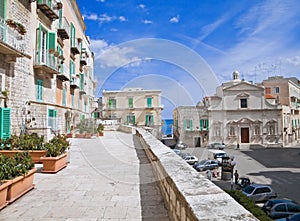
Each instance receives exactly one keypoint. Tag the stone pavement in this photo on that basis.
(108, 178)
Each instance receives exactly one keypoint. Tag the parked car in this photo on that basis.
(217, 155)
(280, 208)
(243, 182)
(204, 165)
(181, 146)
(259, 192)
(178, 152)
(191, 159)
(295, 217)
(219, 146)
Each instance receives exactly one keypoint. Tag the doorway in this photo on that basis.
(197, 141)
(245, 135)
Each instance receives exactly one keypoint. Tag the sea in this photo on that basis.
(167, 126)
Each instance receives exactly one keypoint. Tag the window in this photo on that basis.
(149, 120)
(112, 103)
(4, 123)
(188, 124)
(64, 96)
(2, 80)
(47, 41)
(130, 102)
(203, 124)
(243, 102)
(231, 131)
(280, 208)
(149, 101)
(271, 129)
(276, 90)
(52, 119)
(267, 90)
(72, 69)
(73, 35)
(130, 119)
(218, 132)
(256, 130)
(2, 8)
(39, 90)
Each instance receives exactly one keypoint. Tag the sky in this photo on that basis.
(186, 48)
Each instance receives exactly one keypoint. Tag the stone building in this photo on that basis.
(46, 71)
(191, 125)
(286, 91)
(134, 106)
(239, 113)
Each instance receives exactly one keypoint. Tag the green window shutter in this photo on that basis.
(147, 119)
(39, 90)
(73, 34)
(81, 81)
(207, 124)
(184, 124)
(201, 124)
(4, 123)
(109, 103)
(149, 102)
(51, 40)
(60, 18)
(130, 102)
(133, 119)
(64, 96)
(3, 9)
(51, 113)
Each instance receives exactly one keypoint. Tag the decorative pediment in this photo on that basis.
(245, 121)
(243, 94)
(243, 86)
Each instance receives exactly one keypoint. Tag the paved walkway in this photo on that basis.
(108, 178)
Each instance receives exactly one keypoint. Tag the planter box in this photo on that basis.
(3, 194)
(69, 135)
(54, 164)
(35, 154)
(20, 185)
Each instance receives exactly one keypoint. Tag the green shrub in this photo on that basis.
(249, 204)
(23, 142)
(18, 165)
(56, 146)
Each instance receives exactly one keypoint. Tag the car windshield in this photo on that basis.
(202, 162)
(248, 189)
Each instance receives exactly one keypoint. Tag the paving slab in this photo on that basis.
(101, 182)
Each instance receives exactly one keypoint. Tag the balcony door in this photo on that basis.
(43, 46)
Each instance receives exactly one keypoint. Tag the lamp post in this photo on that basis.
(232, 163)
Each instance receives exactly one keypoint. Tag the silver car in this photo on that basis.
(259, 192)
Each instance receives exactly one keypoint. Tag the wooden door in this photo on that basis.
(245, 135)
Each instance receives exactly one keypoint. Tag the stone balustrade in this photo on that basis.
(188, 195)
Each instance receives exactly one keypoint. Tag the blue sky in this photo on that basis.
(188, 47)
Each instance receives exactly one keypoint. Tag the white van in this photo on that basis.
(216, 155)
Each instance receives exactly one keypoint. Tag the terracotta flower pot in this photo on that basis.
(54, 164)
(20, 185)
(3, 193)
(35, 154)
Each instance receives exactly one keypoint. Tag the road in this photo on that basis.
(278, 167)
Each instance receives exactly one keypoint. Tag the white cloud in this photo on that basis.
(104, 18)
(141, 6)
(122, 19)
(147, 21)
(293, 60)
(100, 0)
(174, 19)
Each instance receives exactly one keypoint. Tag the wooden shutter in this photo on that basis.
(201, 124)
(4, 123)
(52, 40)
(3, 9)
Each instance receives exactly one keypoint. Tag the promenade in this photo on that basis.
(108, 178)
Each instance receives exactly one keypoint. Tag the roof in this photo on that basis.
(269, 96)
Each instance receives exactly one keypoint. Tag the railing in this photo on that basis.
(46, 58)
(74, 81)
(49, 7)
(64, 71)
(11, 37)
(63, 28)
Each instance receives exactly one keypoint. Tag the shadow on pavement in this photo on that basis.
(153, 207)
(276, 157)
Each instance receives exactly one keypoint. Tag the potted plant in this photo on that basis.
(17, 173)
(56, 157)
(100, 129)
(25, 142)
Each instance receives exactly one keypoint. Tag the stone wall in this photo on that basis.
(188, 195)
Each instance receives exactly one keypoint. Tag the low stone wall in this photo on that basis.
(188, 195)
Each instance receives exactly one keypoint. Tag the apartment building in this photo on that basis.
(286, 91)
(134, 106)
(191, 125)
(46, 67)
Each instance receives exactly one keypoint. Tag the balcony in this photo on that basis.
(46, 61)
(83, 58)
(82, 88)
(74, 47)
(63, 74)
(49, 8)
(63, 29)
(74, 82)
(12, 43)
